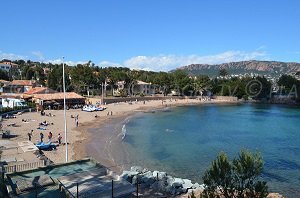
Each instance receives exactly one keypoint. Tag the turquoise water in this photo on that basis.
(184, 140)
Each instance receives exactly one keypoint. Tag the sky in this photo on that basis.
(150, 34)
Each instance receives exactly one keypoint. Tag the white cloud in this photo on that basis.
(108, 63)
(160, 62)
(39, 55)
(168, 62)
(11, 56)
(70, 63)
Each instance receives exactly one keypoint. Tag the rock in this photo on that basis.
(136, 178)
(161, 175)
(148, 178)
(275, 195)
(177, 182)
(138, 169)
(127, 175)
(169, 180)
(186, 185)
(195, 185)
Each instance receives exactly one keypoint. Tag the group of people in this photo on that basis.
(50, 135)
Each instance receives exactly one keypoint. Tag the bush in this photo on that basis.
(238, 178)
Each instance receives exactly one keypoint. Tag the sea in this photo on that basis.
(183, 141)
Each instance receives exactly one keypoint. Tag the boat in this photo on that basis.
(99, 108)
(88, 108)
(45, 146)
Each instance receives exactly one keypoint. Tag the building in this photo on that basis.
(144, 88)
(56, 100)
(39, 90)
(119, 87)
(20, 86)
(3, 83)
(5, 67)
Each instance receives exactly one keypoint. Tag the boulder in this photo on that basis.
(148, 178)
(127, 175)
(186, 185)
(136, 178)
(161, 175)
(177, 182)
(138, 169)
(195, 185)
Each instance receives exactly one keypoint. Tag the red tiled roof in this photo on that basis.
(39, 90)
(58, 96)
(23, 82)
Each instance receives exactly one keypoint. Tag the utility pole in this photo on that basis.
(65, 117)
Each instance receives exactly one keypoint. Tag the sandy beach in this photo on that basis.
(79, 136)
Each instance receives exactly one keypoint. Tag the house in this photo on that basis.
(3, 83)
(119, 86)
(141, 87)
(39, 90)
(20, 86)
(5, 67)
(57, 99)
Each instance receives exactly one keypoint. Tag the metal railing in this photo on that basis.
(23, 166)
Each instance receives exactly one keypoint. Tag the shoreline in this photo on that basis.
(80, 150)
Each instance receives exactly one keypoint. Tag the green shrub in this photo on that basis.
(239, 178)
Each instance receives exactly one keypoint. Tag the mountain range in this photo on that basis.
(271, 68)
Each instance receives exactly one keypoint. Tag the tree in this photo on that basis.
(223, 72)
(239, 178)
(287, 83)
(3, 75)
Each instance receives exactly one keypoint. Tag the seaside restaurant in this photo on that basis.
(56, 100)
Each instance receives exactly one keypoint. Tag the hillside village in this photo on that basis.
(41, 83)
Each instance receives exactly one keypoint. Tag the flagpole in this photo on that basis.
(65, 117)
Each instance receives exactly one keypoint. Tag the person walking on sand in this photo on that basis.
(41, 136)
(29, 136)
(111, 113)
(76, 122)
(49, 136)
(59, 138)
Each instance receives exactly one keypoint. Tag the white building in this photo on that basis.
(5, 67)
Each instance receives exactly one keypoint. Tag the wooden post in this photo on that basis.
(137, 187)
(77, 195)
(157, 182)
(36, 194)
(112, 188)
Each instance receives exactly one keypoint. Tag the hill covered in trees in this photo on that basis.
(272, 68)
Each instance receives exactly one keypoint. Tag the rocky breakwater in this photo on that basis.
(160, 181)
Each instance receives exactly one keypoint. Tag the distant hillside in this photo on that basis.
(272, 68)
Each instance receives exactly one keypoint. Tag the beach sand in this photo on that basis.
(79, 136)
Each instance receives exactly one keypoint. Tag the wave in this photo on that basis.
(123, 133)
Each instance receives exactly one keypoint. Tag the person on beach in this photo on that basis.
(111, 113)
(41, 136)
(59, 138)
(29, 135)
(107, 113)
(76, 122)
(49, 136)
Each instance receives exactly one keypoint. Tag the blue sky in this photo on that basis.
(150, 34)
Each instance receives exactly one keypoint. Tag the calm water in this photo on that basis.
(184, 140)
